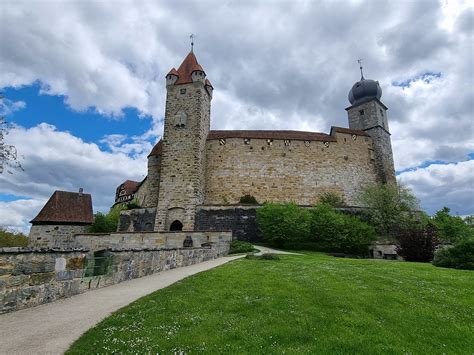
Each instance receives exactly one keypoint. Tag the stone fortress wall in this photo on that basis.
(33, 276)
(298, 171)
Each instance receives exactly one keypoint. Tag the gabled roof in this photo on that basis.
(156, 149)
(295, 135)
(66, 208)
(173, 72)
(187, 67)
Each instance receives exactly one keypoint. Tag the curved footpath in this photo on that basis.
(51, 328)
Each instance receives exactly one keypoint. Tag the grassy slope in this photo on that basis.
(312, 303)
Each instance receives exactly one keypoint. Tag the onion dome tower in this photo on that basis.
(369, 114)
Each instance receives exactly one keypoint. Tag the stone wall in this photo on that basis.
(139, 220)
(299, 172)
(51, 235)
(241, 220)
(30, 277)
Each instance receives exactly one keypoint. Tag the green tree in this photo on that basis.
(390, 207)
(451, 228)
(332, 198)
(12, 239)
(106, 223)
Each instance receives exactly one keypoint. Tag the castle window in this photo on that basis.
(361, 112)
(381, 112)
(182, 91)
(354, 137)
(222, 141)
(247, 141)
(307, 143)
(180, 119)
(287, 142)
(269, 141)
(176, 226)
(326, 144)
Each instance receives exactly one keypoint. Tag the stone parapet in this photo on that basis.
(33, 276)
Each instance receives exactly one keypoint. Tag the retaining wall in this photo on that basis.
(30, 277)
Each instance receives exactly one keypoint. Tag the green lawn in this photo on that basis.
(300, 304)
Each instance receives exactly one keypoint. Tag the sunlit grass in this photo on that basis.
(299, 304)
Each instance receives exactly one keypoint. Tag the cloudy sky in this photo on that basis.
(84, 85)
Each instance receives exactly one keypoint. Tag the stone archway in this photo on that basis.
(176, 226)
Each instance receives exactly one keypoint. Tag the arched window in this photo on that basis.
(176, 226)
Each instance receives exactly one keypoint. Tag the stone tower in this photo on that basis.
(186, 126)
(367, 113)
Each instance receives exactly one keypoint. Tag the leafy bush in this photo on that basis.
(239, 246)
(417, 243)
(106, 223)
(332, 199)
(283, 225)
(132, 205)
(12, 239)
(451, 228)
(249, 200)
(391, 206)
(459, 256)
(266, 256)
(321, 228)
(333, 231)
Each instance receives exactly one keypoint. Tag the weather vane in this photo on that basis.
(360, 63)
(191, 36)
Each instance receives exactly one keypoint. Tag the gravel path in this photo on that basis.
(51, 328)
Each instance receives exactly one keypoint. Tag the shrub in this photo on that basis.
(239, 246)
(333, 231)
(249, 200)
(283, 225)
(106, 223)
(332, 199)
(459, 256)
(451, 228)
(12, 239)
(266, 256)
(417, 243)
(132, 205)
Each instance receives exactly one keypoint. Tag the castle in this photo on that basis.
(197, 177)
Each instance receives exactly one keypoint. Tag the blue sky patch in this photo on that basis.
(427, 77)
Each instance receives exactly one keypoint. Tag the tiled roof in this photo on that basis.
(173, 72)
(295, 135)
(157, 149)
(208, 83)
(66, 207)
(187, 67)
(130, 186)
(348, 131)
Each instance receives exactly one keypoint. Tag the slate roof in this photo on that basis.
(66, 208)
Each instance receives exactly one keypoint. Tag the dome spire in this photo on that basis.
(360, 67)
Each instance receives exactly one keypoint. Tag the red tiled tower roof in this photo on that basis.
(66, 208)
(187, 67)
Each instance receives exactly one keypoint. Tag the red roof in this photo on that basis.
(173, 72)
(295, 135)
(156, 149)
(66, 208)
(348, 131)
(187, 67)
(129, 186)
(208, 83)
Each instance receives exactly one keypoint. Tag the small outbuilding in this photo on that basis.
(65, 214)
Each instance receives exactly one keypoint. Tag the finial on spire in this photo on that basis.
(361, 73)
(191, 36)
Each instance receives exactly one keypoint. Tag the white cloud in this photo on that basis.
(17, 214)
(440, 185)
(54, 160)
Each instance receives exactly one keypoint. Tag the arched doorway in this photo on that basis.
(176, 226)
